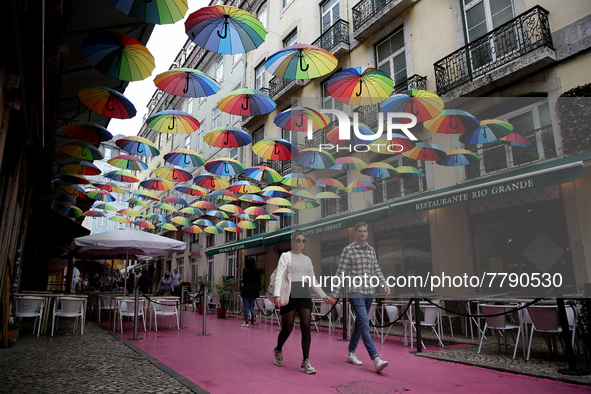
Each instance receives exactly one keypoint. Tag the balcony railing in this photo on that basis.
(526, 33)
(277, 84)
(414, 82)
(334, 35)
(319, 136)
(365, 9)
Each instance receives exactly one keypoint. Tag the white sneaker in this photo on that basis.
(245, 324)
(379, 363)
(352, 359)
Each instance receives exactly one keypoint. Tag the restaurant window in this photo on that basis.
(230, 236)
(231, 264)
(392, 58)
(331, 256)
(257, 136)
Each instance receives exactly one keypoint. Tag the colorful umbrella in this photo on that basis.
(176, 200)
(360, 86)
(459, 157)
(398, 144)
(266, 217)
(71, 211)
(211, 182)
(72, 178)
(303, 193)
(275, 149)
(489, 130)
(322, 195)
(324, 182)
(515, 139)
(315, 158)
(247, 102)
(263, 174)
(333, 136)
(203, 205)
(158, 12)
(104, 206)
(107, 102)
(224, 29)
(192, 211)
(192, 190)
(296, 119)
(349, 163)
(298, 179)
(283, 212)
(203, 222)
(301, 61)
(421, 103)
(128, 162)
(245, 224)
(213, 230)
(282, 202)
(192, 229)
(81, 150)
(235, 209)
(224, 166)
(95, 214)
(452, 121)
(157, 216)
(227, 137)
(118, 56)
(306, 204)
(243, 187)
(135, 201)
(156, 183)
(242, 216)
(122, 176)
(101, 195)
(120, 219)
(255, 211)
(167, 226)
(173, 174)
(425, 151)
(87, 131)
(359, 186)
(173, 122)
(409, 172)
(146, 194)
(144, 224)
(184, 158)
(82, 168)
(226, 224)
(380, 170)
(181, 220)
(138, 146)
(76, 190)
(275, 191)
(223, 195)
(187, 82)
(217, 214)
(108, 186)
(253, 198)
(166, 207)
(63, 198)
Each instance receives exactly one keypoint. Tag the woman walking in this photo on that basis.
(165, 285)
(251, 282)
(300, 265)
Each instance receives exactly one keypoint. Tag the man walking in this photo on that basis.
(359, 263)
(176, 280)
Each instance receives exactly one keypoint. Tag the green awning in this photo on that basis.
(248, 243)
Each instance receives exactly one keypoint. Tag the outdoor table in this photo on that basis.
(156, 298)
(93, 300)
(49, 297)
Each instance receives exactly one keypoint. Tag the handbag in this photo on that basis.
(285, 284)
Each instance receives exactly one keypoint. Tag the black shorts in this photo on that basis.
(298, 298)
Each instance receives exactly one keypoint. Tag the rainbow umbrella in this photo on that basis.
(224, 166)
(95, 214)
(203, 205)
(71, 211)
(246, 102)
(108, 186)
(489, 130)
(349, 163)
(192, 190)
(324, 182)
(144, 224)
(301, 61)
(263, 174)
(138, 146)
(104, 206)
(246, 224)
(101, 195)
(380, 170)
(223, 195)
(129, 212)
(283, 212)
(120, 219)
(315, 158)
(227, 137)
(459, 157)
(226, 224)
(398, 144)
(235, 209)
(296, 119)
(282, 202)
(224, 29)
(333, 136)
(176, 200)
(359, 186)
(122, 176)
(213, 230)
(167, 226)
(72, 178)
(191, 211)
(243, 187)
(173, 122)
(203, 222)
(81, 150)
(173, 174)
(156, 183)
(452, 121)
(425, 151)
(82, 168)
(166, 207)
(266, 217)
(187, 82)
(63, 198)
(87, 131)
(118, 56)
(306, 204)
(211, 182)
(255, 211)
(135, 201)
(76, 190)
(421, 103)
(158, 12)
(303, 193)
(275, 191)
(192, 229)
(145, 194)
(181, 220)
(107, 102)
(298, 179)
(515, 139)
(242, 216)
(252, 198)
(217, 214)
(157, 217)
(275, 149)
(409, 172)
(233, 229)
(128, 162)
(322, 195)
(184, 158)
(360, 86)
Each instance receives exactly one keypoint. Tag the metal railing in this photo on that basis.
(319, 136)
(414, 82)
(277, 84)
(519, 36)
(334, 35)
(365, 9)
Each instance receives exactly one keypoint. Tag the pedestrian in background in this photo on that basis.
(165, 285)
(145, 282)
(176, 280)
(251, 281)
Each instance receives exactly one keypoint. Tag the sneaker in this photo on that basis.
(352, 359)
(379, 363)
(253, 321)
(307, 367)
(278, 357)
(245, 324)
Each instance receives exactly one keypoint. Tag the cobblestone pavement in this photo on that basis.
(71, 363)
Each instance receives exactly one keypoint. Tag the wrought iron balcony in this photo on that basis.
(508, 42)
(319, 136)
(367, 12)
(414, 82)
(279, 87)
(335, 39)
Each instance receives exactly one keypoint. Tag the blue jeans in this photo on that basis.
(361, 307)
(248, 303)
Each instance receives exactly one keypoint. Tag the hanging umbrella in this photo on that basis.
(118, 56)
(104, 206)
(296, 119)
(315, 158)
(360, 86)
(191, 211)
(306, 204)
(70, 211)
(224, 29)
(255, 211)
(515, 139)
(166, 207)
(81, 150)
(398, 144)
(203, 222)
(156, 183)
(181, 220)
(101, 195)
(217, 214)
(333, 136)
(63, 198)
(135, 201)
(298, 180)
(223, 195)
(192, 190)
(242, 216)
(144, 224)
(322, 195)
(146, 194)
(138, 146)
(76, 190)
(108, 186)
(303, 193)
(275, 191)
(359, 186)
(283, 202)
(452, 121)
(380, 170)
(282, 212)
(246, 102)
(184, 158)
(324, 182)
(235, 209)
(245, 224)
(211, 182)
(72, 178)
(158, 12)
(252, 198)
(167, 226)
(213, 230)
(266, 217)
(203, 205)
(275, 149)
(426, 151)
(224, 166)
(301, 61)
(120, 219)
(82, 168)
(243, 187)
(421, 103)
(95, 214)
(157, 216)
(192, 229)
(263, 174)
(107, 102)
(173, 122)
(489, 130)
(459, 157)
(87, 131)
(409, 172)
(173, 174)
(122, 176)
(226, 224)
(348, 163)
(128, 162)
(129, 212)
(186, 82)
(227, 137)
(176, 200)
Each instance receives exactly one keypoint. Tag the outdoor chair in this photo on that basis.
(545, 319)
(105, 303)
(500, 324)
(68, 307)
(324, 309)
(166, 308)
(450, 315)
(270, 307)
(392, 312)
(29, 306)
(127, 308)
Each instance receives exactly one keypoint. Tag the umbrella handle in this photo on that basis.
(411, 107)
(451, 121)
(86, 132)
(227, 138)
(140, 150)
(275, 151)
(107, 105)
(171, 126)
(456, 159)
(313, 159)
(484, 134)
(247, 101)
(302, 120)
(185, 160)
(226, 168)
(80, 170)
(225, 28)
(174, 177)
(360, 89)
(302, 63)
(212, 183)
(425, 154)
(186, 88)
(298, 184)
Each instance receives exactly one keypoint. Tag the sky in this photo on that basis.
(165, 43)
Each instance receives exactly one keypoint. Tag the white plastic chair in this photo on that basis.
(29, 306)
(127, 308)
(545, 319)
(324, 309)
(392, 312)
(105, 303)
(68, 307)
(166, 308)
(432, 318)
(500, 323)
(450, 316)
(270, 307)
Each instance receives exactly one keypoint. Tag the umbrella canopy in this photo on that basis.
(224, 29)
(166, 207)
(63, 198)
(380, 170)
(176, 200)
(489, 130)
(224, 166)
(128, 162)
(118, 56)
(191, 211)
(167, 226)
(266, 217)
(360, 86)
(255, 211)
(72, 178)
(398, 144)
(242, 216)
(263, 174)
(227, 137)
(135, 201)
(203, 222)
(324, 182)
(232, 209)
(217, 214)
(360, 186)
(247, 102)
(138, 146)
(129, 212)
(211, 182)
(275, 191)
(252, 198)
(421, 103)
(282, 212)
(173, 174)
(122, 176)
(333, 136)
(315, 158)
(105, 206)
(226, 224)
(101, 195)
(515, 139)
(144, 224)
(184, 158)
(186, 82)
(157, 216)
(120, 219)
(81, 150)
(76, 190)
(107, 102)
(146, 194)
(280, 201)
(87, 131)
(298, 179)
(243, 187)
(409, 172)
(173, 122)
(203, 205)
(181, 220)
(425, 151)
(82, 168)
(275, 149)
(303, 193)
(158, 12)
(192, 190)
(223, 195)
(459, 157)
(349, 163)
(192, 229)
(108, 186)
(246, 224)
(452, 121)
(306, 204)
(322, 195)
(301, 61)
(296, 119)
(156, 183)
(70, 211)
(213, 230)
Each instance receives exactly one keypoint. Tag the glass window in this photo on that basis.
(286, 2)
(292, 39)
(259, 77)
(190, 106)
(237, 57)
(219, 69)
(234, 153)
(257, 136)
(200, 137)
(102, 221)
(262, 15)
(217, 118)
(330, 14)
(108, 153)
(392, 57)
(188, 142)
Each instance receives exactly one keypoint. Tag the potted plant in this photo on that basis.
(223, 289)
(203, 284)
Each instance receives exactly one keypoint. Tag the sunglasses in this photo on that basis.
(301, 241)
